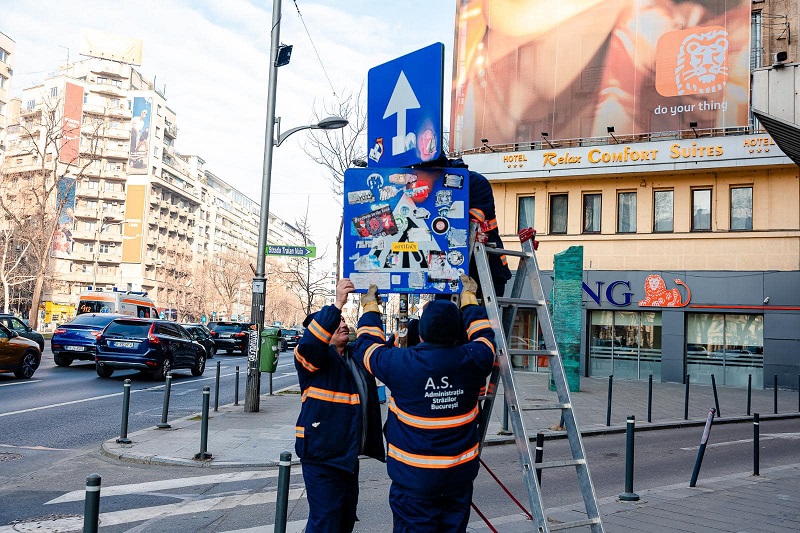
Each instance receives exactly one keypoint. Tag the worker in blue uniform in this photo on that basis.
(432, 424)
(339, 419)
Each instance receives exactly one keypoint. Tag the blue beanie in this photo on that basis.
(440, 323)
(308, 319)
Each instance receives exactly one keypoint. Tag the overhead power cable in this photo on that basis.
(315, 48)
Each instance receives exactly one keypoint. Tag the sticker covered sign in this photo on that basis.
(406, 230)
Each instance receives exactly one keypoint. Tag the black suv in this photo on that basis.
(154, 346)
(291, 337)
(231, 336)
(24, 330)
(201, 334)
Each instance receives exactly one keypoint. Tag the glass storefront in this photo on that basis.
(626, 344)
(526, 335)
(726, 345)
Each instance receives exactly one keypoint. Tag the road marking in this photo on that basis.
(291, 527)
(766, 436)
(167, 484)
(44, 448)
(155, 512)
(26, 382)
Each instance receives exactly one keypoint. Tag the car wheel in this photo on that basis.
(200, 365)
(60, 360)
(27, 365)
(104, 371)
(163, 370)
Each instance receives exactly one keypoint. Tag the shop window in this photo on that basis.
(591, 213)
(558, 213)
(626, 344)
(626, 212)
(701, 210)
(741, 208)
(729, 346)
(526, 208)
(526, 335)
(663, 211)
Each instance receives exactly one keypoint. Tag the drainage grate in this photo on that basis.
(9, 457)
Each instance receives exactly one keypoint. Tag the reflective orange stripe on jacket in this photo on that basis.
(432, 461)
(477, 214)
(368, 353)
(424, 422)
(371, 330)
(477, 326)
(330, 396)
(320, 332)
(300, 432)
(303, 361)
(487, 342)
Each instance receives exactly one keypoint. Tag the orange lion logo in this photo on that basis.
(657, 295)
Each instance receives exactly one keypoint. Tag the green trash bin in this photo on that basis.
(269, 349)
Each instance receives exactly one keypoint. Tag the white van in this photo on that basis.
(129, 303)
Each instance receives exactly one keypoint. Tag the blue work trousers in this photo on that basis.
(332, 498)
(414, 513)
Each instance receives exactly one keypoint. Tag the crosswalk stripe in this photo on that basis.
(127, 516)
(296, 526)
(167, 484)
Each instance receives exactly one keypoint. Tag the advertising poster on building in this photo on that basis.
(639, 67)
(132, 227)
(65, 202)
(140, 136)
(406, 230)
(71, 125)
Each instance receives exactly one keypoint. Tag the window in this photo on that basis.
(626, 215)
(558, 213)
(88, 247)
(756, 48)
(104, 248)
(3, 55)
(109, 186)
(663, 211)
(2, 81)
(741, 208)
(88, 225)
(158, 132)
(730, 346)
(591, 213)
(701, 210)
(53, 92)
(93, 184)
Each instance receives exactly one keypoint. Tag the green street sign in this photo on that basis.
(295, 251)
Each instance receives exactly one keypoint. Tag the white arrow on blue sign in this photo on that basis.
(404, 109)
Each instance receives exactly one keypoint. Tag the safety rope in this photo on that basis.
(530, 516)
(485, 520)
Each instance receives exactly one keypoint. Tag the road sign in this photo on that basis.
(296, 251)
(404, 109)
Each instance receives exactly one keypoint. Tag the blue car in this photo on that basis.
(77, 339)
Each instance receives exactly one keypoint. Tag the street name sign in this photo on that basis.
(295, 251)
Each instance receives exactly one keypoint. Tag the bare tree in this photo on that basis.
(51, 157)
(336, 150)
(303, 275)
(281, 305)
(231, 274)
(14, 270)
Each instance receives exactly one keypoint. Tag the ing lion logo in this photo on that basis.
(657, 295)
(693, 61)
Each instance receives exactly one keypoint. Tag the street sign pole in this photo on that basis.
(253, 383)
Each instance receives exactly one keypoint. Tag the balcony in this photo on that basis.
(108, 90)
(112, 195)
(171, 130)
(151, 240)
(154, 200)
(30, 112)
(173, 209)
(117, 133)
(112, 216)
(121, 111)
(109, 259)
(84, 235)
(164, 205)
(110, 237)
(82, 256)
(116, 152)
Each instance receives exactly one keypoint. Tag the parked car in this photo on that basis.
(230, 336)
(18, 354)
(77, 339)
(291, 338)
(202, 334)
(154, 346)
(15, 324)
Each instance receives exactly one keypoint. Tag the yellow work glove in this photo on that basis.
(468, 293)
(371, 300)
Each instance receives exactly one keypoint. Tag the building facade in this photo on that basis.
(7, 49)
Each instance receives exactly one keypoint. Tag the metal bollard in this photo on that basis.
(165, 407)
(702, 450)
(216, 391)
(756, 448)
(504, 427)
(538, 456)
(775, 394)
(126, 406)
(204, 426)
(608, 406)
(686, 400)
(716, 398)
(650, 399)
(798, 393)
(91, 506)
(629, 495)
(749, 391)
(282, 501)
(236, 388)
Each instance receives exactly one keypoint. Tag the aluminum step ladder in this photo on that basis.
(528, 273)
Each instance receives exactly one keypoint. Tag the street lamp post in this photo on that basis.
(253, 384)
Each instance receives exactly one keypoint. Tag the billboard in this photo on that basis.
(105, 45)
(140, 135)
(406, 230)
(636, 66)
(65, 202)
(71, 124)
(133, 226)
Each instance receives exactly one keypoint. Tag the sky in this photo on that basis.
(211, 58)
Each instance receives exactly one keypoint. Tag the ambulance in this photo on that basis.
(131, 303)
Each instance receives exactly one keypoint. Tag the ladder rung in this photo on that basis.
(559, 464)
(546, 406)
(502, 251)
(541, 353)
(520, 302)
(576, 523)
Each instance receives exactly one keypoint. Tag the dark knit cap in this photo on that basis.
(440, 323)
(308, 319)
